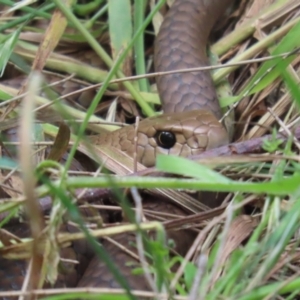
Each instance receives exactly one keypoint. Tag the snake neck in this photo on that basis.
(181, 44)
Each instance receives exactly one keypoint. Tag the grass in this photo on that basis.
(245, 249)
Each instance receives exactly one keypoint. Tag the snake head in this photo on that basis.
(183, 134)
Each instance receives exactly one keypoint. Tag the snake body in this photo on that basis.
(191, 113)
(189, 100)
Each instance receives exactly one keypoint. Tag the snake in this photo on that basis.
(189, 125)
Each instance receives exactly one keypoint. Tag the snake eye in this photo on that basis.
(165, 139)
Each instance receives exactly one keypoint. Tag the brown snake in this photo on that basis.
(189, 126)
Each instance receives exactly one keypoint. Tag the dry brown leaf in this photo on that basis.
(61, 142)
(239, 230)
(13, 185)
(256, 7)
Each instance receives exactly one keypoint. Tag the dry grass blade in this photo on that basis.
(29, 180)
(6, 238)
(51, 39)
(240, 229)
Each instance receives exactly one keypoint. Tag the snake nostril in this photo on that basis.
(165, 139)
